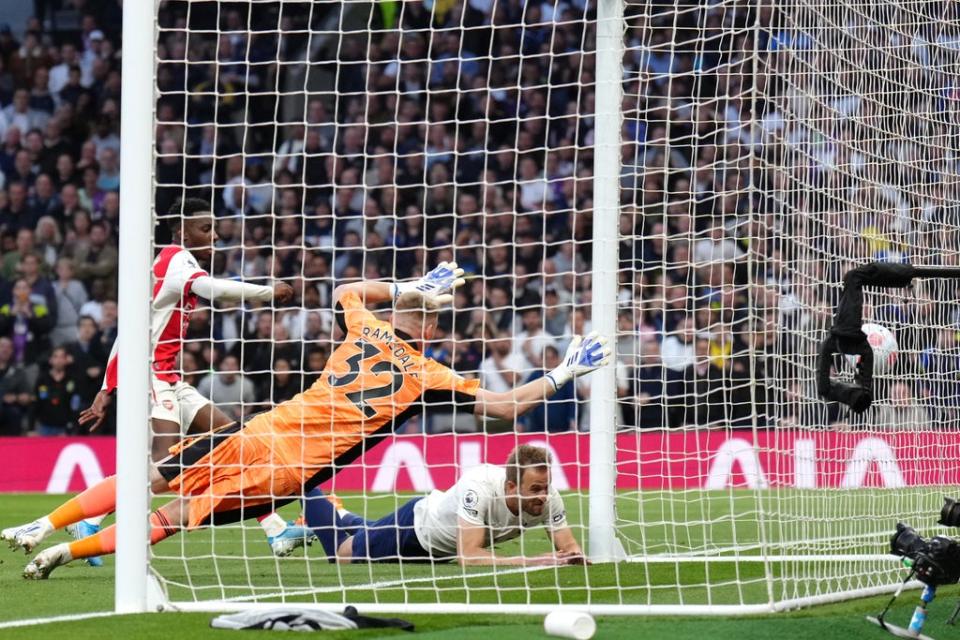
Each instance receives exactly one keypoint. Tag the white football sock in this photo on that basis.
(95, 521)
(273, 525)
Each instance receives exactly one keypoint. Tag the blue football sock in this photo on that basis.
(322, 517)
(352, 522)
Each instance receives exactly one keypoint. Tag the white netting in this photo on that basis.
(768, 151)
(341, 141)
(765, 151)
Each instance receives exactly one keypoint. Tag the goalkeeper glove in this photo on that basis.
(436, 286)
(585, 354)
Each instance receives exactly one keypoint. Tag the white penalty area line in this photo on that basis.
(383, 584)
(68, 618)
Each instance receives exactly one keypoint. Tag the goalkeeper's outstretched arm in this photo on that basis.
(435, 287)
(585, 354)
(370, 291)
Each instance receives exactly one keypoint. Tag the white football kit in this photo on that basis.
(478, 498)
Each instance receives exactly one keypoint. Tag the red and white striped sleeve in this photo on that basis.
(110, 376)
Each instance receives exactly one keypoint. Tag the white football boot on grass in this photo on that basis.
(46, 561)
(27, 536)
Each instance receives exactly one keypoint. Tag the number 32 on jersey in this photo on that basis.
(368, 364)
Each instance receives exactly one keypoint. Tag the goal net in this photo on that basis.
(758, 152)
(768, 150)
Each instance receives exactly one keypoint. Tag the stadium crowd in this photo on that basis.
(459, 130)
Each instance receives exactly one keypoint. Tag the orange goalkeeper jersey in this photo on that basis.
(372, 383)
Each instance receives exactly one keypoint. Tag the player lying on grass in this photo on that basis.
(180, 279)
(489, 504)
(373, 382)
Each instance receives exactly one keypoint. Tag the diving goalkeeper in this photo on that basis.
(486, 506)
(373, 382)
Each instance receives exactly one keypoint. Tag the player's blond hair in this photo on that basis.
(415, 307)
(523, 457)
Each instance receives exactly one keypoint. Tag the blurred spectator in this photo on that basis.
(15, 215)
(530, 342)
(677, 352)
(39, 285)
(444, 416)
(98, 296)
(16, 391)
(29, 323)
(901, 411)
(9, 149)
(189, 369)
(97, 260)
(44, 202)
(48, 241)
(257, 350)
(105, 135)
(60, 72)
(228, 389)
(555, 315)
(285, 383)
(655, 385)
(109, 179)
(26, 60)
(502, 369)
(21, 115)
(716, 247)
(40, 98)
(559, 413)
(71, 296)
(77, 238)
(57, 397)
(108, 324)
(12, 260)
(88, 355)
(583, 385)
(315, 360)
(91, 195)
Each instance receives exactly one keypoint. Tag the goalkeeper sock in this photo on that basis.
(273, 525)
(105, 541)
(98, 500)
(322, 517)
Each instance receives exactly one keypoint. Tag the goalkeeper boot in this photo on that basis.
(27, 536)
(46, 561)
(84, 529)
(290, 539)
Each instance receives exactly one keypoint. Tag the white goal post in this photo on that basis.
(691, 180)
(135, 256)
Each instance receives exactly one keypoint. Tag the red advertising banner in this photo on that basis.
(55, 465)
(645, 460)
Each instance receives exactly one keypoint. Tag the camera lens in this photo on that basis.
(906, 542)
(950, 513)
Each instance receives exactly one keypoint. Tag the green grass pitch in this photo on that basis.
(240, 557)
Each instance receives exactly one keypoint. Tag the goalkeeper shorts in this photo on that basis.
(228, 477)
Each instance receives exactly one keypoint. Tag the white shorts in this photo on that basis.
(176, 402)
